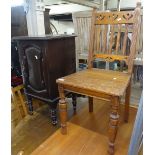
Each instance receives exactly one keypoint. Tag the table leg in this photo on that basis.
(74, 102)
(114, 118)
(62, 110)
(90, 100)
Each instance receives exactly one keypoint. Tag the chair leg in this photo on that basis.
(114, 118)
(90, 100)
(62, 110)
(127, 102)
(74, 101)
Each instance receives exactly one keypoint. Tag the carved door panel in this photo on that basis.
(34, 65)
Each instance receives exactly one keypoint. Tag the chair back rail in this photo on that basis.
(113, 36)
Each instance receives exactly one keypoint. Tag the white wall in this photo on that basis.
(63, 26)
(66, 8)
(124, 3)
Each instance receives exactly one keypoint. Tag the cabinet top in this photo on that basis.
(42, 37)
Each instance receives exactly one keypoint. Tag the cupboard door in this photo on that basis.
(33, 59)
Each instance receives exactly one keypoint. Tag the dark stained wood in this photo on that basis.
(18, 21)
(74, 102)
(103, 84)
(90, 100)
(43, 59)
(47, 21)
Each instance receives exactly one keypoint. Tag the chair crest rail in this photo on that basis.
(111, 58)
(123, 17)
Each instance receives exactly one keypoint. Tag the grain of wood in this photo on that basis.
(103, 81)
(125, 39)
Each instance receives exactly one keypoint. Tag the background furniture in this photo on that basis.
(106, 84)
(44, 59)
(82, 25)
(18, 106)
(18, 28)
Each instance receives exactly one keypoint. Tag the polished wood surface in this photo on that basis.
(86, 135)
(101, 81)
(103, 84)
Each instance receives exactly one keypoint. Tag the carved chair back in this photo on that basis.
(109, 34)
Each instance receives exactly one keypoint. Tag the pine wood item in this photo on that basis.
(19, 110)
(43, 59)
(82, 25)
(104, 84)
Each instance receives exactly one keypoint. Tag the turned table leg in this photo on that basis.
(114, 118)
(90, 100)
(127, 102)
(62, 110)
(74, 101)
(53, 112)
(29, 103)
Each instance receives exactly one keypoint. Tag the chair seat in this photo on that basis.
(101, 81)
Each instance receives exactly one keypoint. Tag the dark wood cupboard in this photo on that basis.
(44, 59)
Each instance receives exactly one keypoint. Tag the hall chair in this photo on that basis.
(105, 84)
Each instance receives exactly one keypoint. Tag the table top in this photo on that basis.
(99, 80)
(42, 37)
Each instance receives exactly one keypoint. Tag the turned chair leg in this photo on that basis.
(74, 102)
(114, 118)
(127, 102)
(90, 100)
(29, 103)
(62, 110)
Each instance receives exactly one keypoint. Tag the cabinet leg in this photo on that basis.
(127, 102)
(53, 113)
(62, 110)
(29, 103)
(90, 100)
(74, 101)
(114, 118)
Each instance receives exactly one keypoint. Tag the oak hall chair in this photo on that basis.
(100, 83)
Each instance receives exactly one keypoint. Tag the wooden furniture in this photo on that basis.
(105, 84)
(18, 106)
(82, 25)
(47, 21)
(44, 59)
(18, 21)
